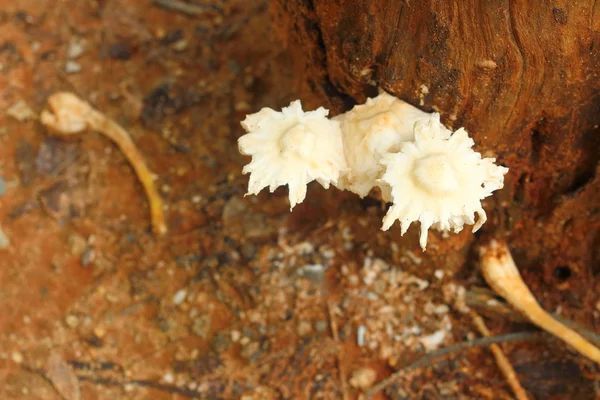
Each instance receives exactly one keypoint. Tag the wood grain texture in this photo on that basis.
(522, 76)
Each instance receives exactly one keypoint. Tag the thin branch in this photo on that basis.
(341, 366)
(438, 355)
(191, 10)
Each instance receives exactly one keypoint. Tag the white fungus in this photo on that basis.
(430, 174)
(370, 131)
(293, 148)
(439, 181)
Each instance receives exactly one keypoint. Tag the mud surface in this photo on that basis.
(241, 299)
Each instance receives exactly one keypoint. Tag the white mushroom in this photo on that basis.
(439, 180)
(69, 116)
(370, 131)
(293, 148)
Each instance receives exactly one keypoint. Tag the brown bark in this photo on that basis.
(523, 77)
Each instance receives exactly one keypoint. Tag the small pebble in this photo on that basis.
(4, 240)
(21, 111)
(321, 326)
(77, 244)
(361, 331)
(111, 297)
(245, 340)
(72, 321)
(99, 332)
(72, 67)
(2, 186)
(201, 326)
(251, 351)
(353, 280)
(75, 48)
(304, 328)
(180, 45)
(87, 257)
(179, 296)
(363, 378)
(17, 357)
(197, 199)
(168, 378)
(313, 272)
(433, 341)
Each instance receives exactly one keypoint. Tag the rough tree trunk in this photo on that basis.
(523, 77)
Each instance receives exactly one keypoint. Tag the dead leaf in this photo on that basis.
(62, 377)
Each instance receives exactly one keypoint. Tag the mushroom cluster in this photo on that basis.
(429, 173)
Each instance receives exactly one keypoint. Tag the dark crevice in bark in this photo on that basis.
(520, 50)
(582, 180)
(536, 145)
(327, 85)
(587, 162)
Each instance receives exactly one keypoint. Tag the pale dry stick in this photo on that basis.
(336, 338)
(501, 273)
(503, 364)
(69, 115)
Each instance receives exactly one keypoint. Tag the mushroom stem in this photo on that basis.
(70, 115)
(501, 273)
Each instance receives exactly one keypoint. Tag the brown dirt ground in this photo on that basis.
(241, 299)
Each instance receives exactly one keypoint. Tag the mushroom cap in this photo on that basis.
(293, 148)
(439, 180)
(370, 131)
(68, 114)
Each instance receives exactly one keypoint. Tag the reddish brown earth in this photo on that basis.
(241, 299)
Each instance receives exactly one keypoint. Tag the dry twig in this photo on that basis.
(191, 10)
(336, 338)
(503, 364)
